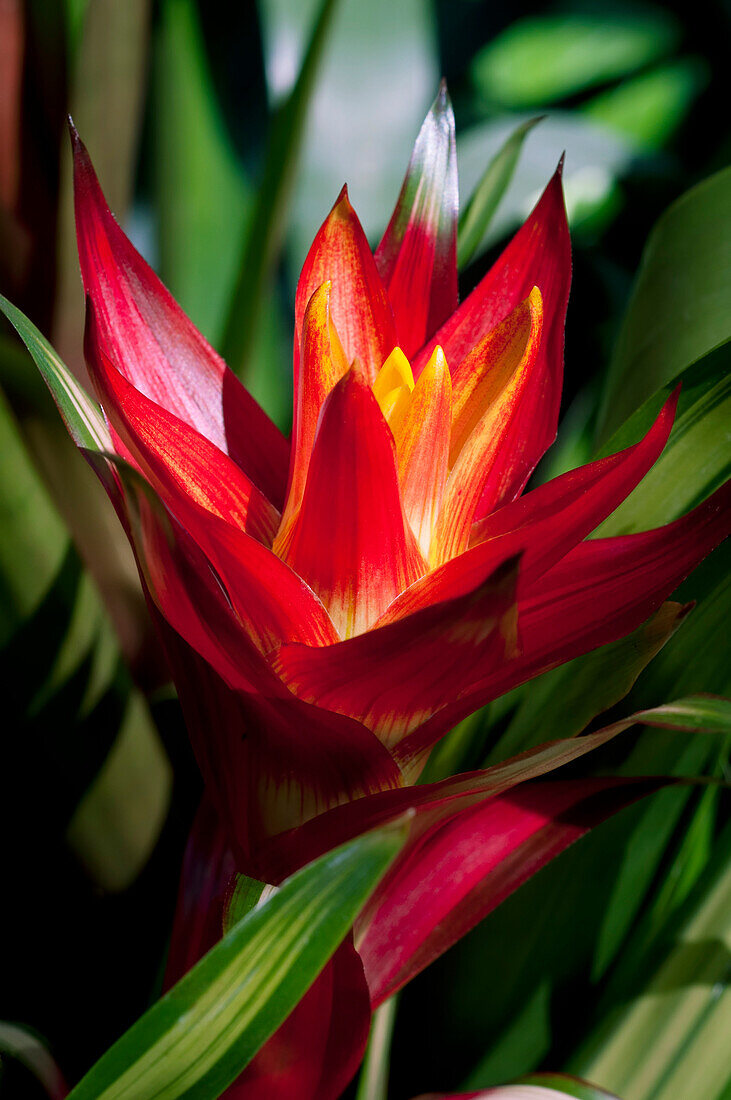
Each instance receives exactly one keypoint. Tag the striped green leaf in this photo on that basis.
(708, 712)
(668, 1038)
(200, 1035)
(477, 214)
(82, 416)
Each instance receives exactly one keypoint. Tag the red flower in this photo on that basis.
(332, 607)
(347, 599)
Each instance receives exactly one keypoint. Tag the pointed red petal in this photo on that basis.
(454, 872)
(321, 365)
(288, 851)
(275, 762)
(178, 461)
(394, 678)
(351, 541)
(544, 524)
(233, 606)
(340, 254)
(417, 258)
(539, 255)
(422, 448)
(245, 727)
(484, 463)
(160, 351)
(602, 590)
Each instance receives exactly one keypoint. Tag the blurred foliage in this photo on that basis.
(210, 139)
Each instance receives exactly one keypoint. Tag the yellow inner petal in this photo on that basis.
(393, 387)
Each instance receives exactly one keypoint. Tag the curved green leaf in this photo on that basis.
(81, 415)
(669, 1038)
(477, 214)
(540, 59)
(709, 712)
(200, 1035)
(697, 457)
(679, 308)
(202, 195)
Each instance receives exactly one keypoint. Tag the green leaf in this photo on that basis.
(81, 415)
(20, 1043)
(202, 195)
(244, 897)
(679, 307)
(82, 732)
(711, 713)
(541, 59)
(650, 107)
(266, 226)
(33, 540)
(485, 199)
(669, 1039)
(697, 458)
(595, 159)
(202, 1033)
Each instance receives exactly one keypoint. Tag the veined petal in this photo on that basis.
(599, 592)
(160, 351)
(359, 305)
(456, 871)
(544, 524)
(539, 255)
(321, 365)
(351, 541)
(267, 777)
(417, 257)
(549, 521)
(422, 435)
(177, 460)
(393, 679)
(287, 852)
(483, 460)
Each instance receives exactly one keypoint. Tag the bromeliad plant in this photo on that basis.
(331, 606)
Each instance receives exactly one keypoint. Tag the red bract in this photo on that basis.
(331, 607)
(346, 599)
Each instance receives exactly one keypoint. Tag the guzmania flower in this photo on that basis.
(334, 604)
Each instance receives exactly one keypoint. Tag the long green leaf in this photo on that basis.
(709, 712)
(477, 214)
(80, 413)
(82, 732)
(203, 198)
(20, 1043)
(266, 226)
(671, 1039)
(679, 308)
(202, 1033)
